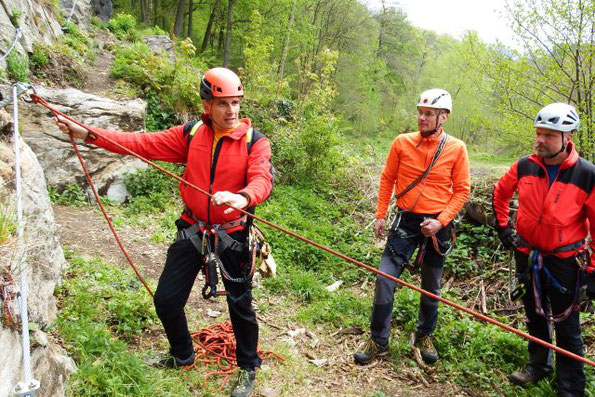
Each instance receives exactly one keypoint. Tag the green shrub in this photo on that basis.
(7, 221)
(317, 215)
(73, 195)
(151, 181)
(15, 17)
(39, 59)
(98, 23)
(121, 25)
(477, 249)
(17, 66)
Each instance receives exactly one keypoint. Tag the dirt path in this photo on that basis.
(85, 232)
(98, 80)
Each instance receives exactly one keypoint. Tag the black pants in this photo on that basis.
(400, 246)
(569, 372)
(181, 268)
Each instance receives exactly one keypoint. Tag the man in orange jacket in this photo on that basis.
(428, 171)
(556, 190)
(230, 160)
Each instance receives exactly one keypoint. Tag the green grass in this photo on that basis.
(102, 309)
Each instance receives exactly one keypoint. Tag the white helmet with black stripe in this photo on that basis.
(435, 98)
(558, 116)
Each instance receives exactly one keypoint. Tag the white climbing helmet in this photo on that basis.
(435, 98)
(559, 117)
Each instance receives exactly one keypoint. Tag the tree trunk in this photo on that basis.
(228, 34)
(179, 18)
(143, 11)
(207, 37)
(190, 5)
(286, 44)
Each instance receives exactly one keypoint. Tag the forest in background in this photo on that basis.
(330, 83)
(380, 62)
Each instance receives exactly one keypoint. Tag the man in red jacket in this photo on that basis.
(227, 158)
(556, 191)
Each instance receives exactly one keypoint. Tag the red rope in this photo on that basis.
(107, 218)
(216, 350)
(483, 317)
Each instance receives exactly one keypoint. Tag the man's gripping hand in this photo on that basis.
(508, 237)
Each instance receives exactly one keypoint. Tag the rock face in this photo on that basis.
(44, 259)
(102, 9)
(161, 44)
(55, 152)
(79, 11)
(38, 23)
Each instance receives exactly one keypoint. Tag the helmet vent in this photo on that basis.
(553, 120)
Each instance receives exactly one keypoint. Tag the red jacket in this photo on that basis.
(549, 217)
(231, 169)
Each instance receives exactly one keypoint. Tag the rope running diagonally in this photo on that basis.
(17, 34)
(41, 101)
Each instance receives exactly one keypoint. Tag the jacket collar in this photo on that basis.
(568, 161)
(237, 133)
(432, 138)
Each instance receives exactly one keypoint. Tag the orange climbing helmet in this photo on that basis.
(220, 83)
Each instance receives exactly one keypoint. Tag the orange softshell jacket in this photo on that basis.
(443, 192)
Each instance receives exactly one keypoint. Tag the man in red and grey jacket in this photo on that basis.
(225, 157)
(556, 195)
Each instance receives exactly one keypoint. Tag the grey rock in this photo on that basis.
(39, 23)
(55, 152)
(79, 11)
(161, 44)
(42, 255)
(102, 9)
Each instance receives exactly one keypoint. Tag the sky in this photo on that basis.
(454, 17)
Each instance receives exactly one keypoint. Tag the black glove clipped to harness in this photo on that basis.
(508, 237)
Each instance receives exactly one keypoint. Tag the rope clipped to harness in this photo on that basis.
(214, 353)
(536, 265)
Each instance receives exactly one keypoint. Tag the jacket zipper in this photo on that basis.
(549, 187)
(214, 159)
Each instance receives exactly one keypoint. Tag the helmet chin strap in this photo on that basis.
(561, 149)
(435, 130)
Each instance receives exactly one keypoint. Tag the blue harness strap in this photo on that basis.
(536, 265)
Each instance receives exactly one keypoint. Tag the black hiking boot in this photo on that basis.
(426, 347)
(368, 350)
(169, 361)
(527, 377)
(244, 383)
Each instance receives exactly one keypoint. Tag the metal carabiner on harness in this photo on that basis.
(210, 267)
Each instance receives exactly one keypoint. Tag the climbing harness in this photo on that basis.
(41, 101)
(213, 242)
(399, 232)
(29, 386)
(17, 35)
(536, 263)
(535, 268)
